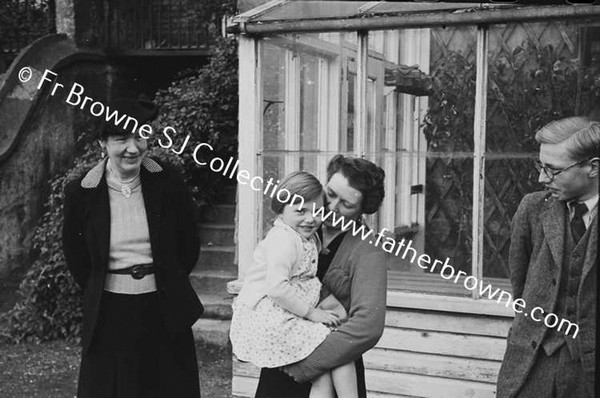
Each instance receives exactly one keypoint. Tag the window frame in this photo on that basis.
(335, 73)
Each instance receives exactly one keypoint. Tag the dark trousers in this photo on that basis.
(133, 356)
(557, 376)
(274, 383)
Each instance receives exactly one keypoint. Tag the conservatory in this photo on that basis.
(446, 98)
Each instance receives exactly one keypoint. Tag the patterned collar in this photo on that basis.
(94, 176)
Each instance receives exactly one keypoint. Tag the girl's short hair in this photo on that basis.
(581, 134)
(364, 176)
(295, 188)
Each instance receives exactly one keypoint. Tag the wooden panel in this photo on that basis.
(447, 322)
(243, 386)
(432, 365)
(401, 365)
(426, 386)
(374, 394)
(398, 299)
(245, 369)
(443, 343)
(433, 283)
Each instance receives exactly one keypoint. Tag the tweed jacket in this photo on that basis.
(173, 240)
(535, 262)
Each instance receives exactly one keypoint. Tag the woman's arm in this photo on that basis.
(365, 323)
(74, 246)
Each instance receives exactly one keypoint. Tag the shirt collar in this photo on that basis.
(591, 203)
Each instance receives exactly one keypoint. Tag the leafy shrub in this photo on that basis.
(50, 305)
(203, 104)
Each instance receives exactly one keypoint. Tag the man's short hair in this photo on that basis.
(582, 136)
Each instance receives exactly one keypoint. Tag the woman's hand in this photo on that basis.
(331, 304)
(323, 316)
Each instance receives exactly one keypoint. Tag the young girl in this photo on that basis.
(276, 320)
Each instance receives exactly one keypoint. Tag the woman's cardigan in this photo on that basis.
(357, 277)
(173, 239)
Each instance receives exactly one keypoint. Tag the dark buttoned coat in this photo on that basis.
(173, 239)
(535, 262)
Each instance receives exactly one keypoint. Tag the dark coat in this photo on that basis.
(173, 239)
(535, 261)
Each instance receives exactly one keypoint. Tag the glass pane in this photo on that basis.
(309, 107)
(350, 118)
(273, 78)
(538, 72)
(296, 70)
(424, 141)
(448, 132)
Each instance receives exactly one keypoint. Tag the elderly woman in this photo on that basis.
(351, 269)
(130, 242)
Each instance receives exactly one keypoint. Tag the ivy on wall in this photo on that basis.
(203, 104)
(22, 21)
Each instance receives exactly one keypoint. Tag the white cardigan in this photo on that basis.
(275, 262)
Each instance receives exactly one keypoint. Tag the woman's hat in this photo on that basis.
(140, 109)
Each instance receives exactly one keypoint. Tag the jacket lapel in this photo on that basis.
(553, 221)
(592, 253)
(99, 212)
(99, 204)
(152, 189)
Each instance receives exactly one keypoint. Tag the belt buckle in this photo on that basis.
(138, 271)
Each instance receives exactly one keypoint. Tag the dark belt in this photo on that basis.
(137, 271)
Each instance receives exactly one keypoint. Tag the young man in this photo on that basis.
(552, 266)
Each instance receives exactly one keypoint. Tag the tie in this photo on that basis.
(577, 224)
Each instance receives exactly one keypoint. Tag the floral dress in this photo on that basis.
(268, 335)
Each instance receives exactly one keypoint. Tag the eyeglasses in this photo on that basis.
(550, 173)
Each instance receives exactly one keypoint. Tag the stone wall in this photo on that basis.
(46, 148)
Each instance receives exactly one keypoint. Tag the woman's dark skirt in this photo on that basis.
(132, 355)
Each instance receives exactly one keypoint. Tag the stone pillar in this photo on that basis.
(65, 17)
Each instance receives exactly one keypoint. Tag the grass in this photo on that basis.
(49, 370)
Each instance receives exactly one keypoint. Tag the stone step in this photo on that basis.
(213, 331)
(216, 306)
(211, 288)
(220, 214)
(212, 234)
(213, 282)
(216, 258)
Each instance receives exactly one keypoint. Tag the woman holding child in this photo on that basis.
(353, 273)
